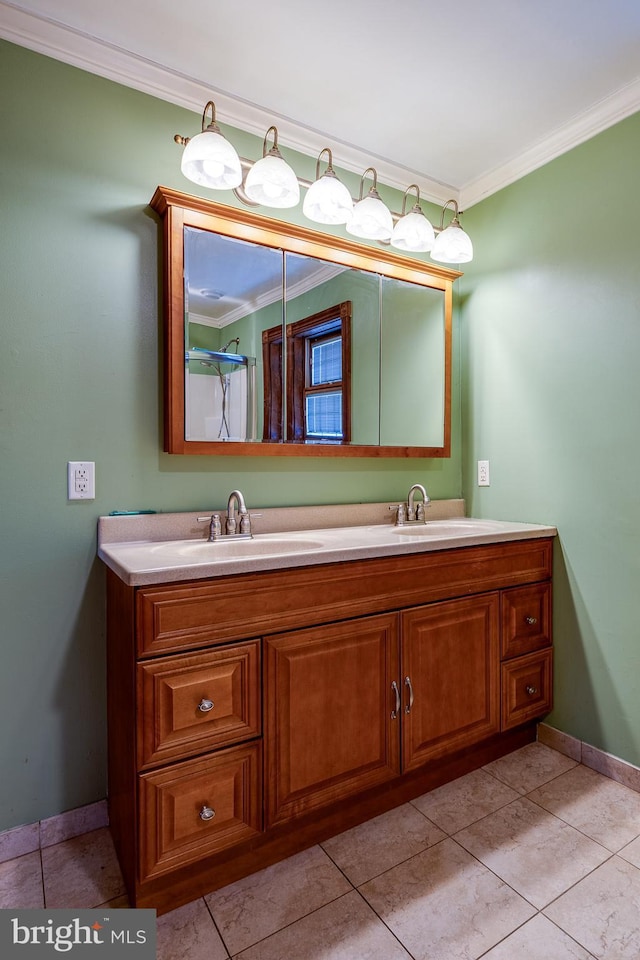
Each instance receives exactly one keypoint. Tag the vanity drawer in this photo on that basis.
(526, 619)
(197, 808)
(526, 688)
(198, 702)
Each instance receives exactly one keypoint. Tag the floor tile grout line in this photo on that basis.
(537, 787)
(385, 924)
(213, 919)
(579, 830)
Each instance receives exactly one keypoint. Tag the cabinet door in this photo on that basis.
(451, 675)
(329, 705)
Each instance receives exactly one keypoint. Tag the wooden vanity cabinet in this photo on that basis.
(251, 716)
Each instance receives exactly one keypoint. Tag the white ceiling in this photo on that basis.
(462, 98)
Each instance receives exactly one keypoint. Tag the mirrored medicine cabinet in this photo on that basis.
(282, 341)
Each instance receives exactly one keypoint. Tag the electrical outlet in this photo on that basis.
(81, 480)
(483, 473)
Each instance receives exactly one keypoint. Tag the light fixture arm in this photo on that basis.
(374, 187)
(455, 215)
(274, 151)
(412, 186)
(329, 171)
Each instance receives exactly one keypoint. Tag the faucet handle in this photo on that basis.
(215, 528)
(401, 512)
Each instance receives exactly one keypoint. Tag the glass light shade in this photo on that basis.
(272, 183)
(453, 245)
(328, 201)
(371, 219)
(210, 160)
(413, 232)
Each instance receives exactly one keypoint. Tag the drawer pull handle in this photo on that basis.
(407, 683)
(394, 713)
(531, 620)
(205, 705)
(531, 690)
(207, 813)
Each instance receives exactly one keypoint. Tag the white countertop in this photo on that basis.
(149, 561)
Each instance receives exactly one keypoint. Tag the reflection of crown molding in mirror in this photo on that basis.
(178, 211)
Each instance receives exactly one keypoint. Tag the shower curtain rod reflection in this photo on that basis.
(199, 353)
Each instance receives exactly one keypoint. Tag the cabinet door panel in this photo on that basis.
(328, 712)
(450, 655)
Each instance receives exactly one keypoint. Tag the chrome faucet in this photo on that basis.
(237, 524)
(231, 525)
(412, 512)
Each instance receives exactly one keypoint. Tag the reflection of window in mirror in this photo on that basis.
(318, 377)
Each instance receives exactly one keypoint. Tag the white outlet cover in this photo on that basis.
(81, 480)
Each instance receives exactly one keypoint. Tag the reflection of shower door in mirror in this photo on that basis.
(219, 398)
(233, 291)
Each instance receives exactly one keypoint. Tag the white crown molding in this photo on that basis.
(323, 273)
(609, 111)
(78, 49)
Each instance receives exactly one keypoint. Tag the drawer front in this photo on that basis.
(191, 704)
(197, 808)
(526, 688)
(526, 619)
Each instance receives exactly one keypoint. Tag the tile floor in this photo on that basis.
(533, 857)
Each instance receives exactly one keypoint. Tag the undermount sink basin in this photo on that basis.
(204, 551)
(450, 528)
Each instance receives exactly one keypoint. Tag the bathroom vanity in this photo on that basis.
(262, 702)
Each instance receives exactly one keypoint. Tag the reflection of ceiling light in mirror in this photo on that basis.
(327, 199)
(209, 159)
(271, 181)
(212, 294)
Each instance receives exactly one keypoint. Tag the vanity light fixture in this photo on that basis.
(327, 199)
(211, 161)
(452, 244)
(371, 219)
(271, 181)
(413, 231)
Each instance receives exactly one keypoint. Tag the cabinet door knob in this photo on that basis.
(394, 713)
(205, 705)
(531, 690)
(207, 813)
(407, 683)
(530, 620)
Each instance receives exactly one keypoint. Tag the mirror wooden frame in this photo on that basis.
(179, 210)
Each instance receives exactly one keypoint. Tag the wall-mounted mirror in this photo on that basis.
(283, 341)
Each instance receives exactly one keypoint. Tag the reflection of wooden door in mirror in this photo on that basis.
(234, 281)
(318, 397)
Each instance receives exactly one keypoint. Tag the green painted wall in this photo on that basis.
(80, 364)
(551, 354)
